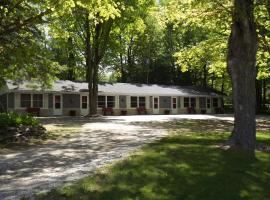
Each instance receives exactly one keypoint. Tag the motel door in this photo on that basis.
(155, 105)
(84, 105)
(174, 105)
(57, 105)
(208, 105)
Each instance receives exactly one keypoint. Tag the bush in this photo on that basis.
(15, 119)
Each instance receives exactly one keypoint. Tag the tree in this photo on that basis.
(242, 49)
(23, 50)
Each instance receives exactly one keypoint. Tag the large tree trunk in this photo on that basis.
(243, 44)
(89, 64)
(258, 95)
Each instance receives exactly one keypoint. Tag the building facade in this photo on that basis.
(67, 98)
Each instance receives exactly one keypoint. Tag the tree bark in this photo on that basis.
(89, 63)
(258, 95)
(243, 44)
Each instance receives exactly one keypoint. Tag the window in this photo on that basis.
(133, 102)
(186, 102)
(37, 100)
(57, 101)
(155, 103)
(141, 101)
(174, 103)
(25, 100)
(101, 101)
(202, 102)
(84, 102)
(215, 102)
(208, 103)
(110, 101)
(106, 101)
(192, 102)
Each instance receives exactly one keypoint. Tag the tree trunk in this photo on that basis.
(89, 65)
(258, 95)
(243, 44)
(205, 75)
(264, 89)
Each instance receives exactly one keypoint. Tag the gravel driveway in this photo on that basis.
(99, 142)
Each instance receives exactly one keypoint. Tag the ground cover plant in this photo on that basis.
(188, 164)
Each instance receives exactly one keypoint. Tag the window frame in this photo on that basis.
(174, 104)
(38, 100)
(186, 104)
(144, 102)
(98, 101)
(106, 101)
(83, 102)
(107, 105)
(193, 104)
(135, 101)
(21, 101)
(215, 106)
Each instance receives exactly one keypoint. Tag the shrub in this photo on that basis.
(15, 119)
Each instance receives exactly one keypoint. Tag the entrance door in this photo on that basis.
(174, 105)
(155, 105)
(84, 105)
(208, 105)
(57, 105)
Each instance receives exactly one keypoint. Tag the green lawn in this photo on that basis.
(186, 165)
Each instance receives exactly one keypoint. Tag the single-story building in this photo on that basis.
(66, 98)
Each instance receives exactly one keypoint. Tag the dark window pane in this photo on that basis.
(155, 103)
(84, 102)
(25, 100)
(186, 102)
(101, 102)
(84, 105)
(84, 98)
(141, 101)
(37, 100)
(110, 101)
(193, 102)
(215, 102)
(57, 105)
(57, 101)
(133, 102)
(202, 102)
(174, 103)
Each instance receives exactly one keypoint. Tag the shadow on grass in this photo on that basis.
(179, 167)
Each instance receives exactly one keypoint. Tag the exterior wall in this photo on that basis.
(50, 101)
(67, 112)
(11, 100)
(72, 102)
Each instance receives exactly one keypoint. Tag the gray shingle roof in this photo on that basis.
(116, 88)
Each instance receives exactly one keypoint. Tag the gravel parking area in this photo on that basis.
(99, 141)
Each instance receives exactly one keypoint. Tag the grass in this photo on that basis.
(188, 165)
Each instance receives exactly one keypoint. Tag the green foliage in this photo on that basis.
(23, 50)
(15, 120)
